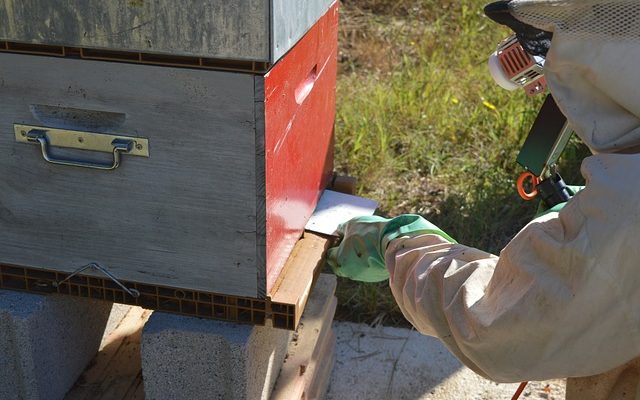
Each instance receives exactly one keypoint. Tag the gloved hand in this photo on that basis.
(360, 255)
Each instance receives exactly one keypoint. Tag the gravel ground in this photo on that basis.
(393, 363)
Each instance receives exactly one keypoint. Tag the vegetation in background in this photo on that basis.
(424, 128)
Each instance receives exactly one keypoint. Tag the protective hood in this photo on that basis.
(593, 66)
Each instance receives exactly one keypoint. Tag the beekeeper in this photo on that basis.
(563, 297)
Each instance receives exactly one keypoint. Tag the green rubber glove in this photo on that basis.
(360, 255)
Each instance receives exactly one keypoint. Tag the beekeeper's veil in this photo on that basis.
(593, 66)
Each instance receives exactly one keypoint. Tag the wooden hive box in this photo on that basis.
(218, 173)
(250, 30)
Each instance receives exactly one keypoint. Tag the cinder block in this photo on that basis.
(46, 342)
(191, 358)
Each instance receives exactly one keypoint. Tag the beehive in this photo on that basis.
(224, 146)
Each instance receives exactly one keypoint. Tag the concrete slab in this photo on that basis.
(392, 363)
(46, 342)
(191, 358)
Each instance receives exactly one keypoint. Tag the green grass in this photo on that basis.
(425, 129)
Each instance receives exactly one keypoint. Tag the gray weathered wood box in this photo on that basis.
(254, 30)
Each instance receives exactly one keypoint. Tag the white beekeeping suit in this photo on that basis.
(563, 298)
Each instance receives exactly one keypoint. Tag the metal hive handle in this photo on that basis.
(120, 146)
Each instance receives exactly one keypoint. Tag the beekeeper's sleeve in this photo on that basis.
(559, 301)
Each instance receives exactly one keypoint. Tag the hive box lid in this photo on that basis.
(254, 30)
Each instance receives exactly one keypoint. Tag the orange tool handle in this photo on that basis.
(522, 191)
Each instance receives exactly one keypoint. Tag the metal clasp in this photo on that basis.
(131, 291)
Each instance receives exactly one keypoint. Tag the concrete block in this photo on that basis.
(46, 342)
(191, 358)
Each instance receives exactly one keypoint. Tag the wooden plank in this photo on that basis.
(137, 390)
(296, 279)
(323, 367)
(185, 217)
(139, 394)
(312, 370)
(304, 369)
(309, 348)
(115, 372)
